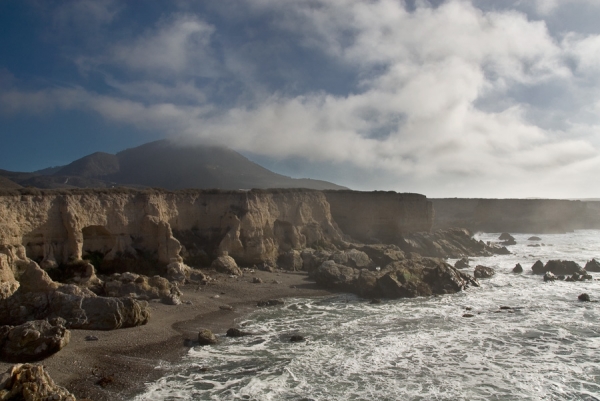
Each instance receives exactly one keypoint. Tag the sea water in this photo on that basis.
(546, 347)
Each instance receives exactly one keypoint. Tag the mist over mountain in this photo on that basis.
(162, 164)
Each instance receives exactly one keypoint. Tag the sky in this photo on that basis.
(448, 98)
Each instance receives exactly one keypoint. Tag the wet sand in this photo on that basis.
(120, 362)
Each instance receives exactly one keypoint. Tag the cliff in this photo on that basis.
(516, 215)
(380, 216)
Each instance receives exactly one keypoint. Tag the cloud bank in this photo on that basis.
(456, 98)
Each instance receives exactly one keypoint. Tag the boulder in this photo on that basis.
(381, 254)
(506, 237)
(563, 267)
(549, 276)
(584, 297)
(534, 238)
(140, 287)
(270, 302)
(518, 268)
(31, 383)
(311, 259)
(267, 266)
(178, 272)
(352, 258)
(592, 266)
(233, 332)
(483, 272)
(226, 264)
(333, 275)
(206, 337)
(538, 267)
(462, 263)
(33, 341)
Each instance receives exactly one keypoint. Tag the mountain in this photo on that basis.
(167, 165)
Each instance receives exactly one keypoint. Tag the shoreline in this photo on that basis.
(119, 364)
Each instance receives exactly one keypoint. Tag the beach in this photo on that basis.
(120, 362)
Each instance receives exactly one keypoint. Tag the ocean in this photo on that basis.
(545, 347)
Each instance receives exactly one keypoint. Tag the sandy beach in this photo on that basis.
(120, 362)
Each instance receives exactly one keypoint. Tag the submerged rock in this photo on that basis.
(233, 332)
(483, 272)
(534, 238)
(296, 339)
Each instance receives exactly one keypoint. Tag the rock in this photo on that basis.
(206, 337)
(270, 302)
(584, 297)
(233, 332)
(448, 243)
(468, 315)
(506, 237)
(31, 383)
(226, 307)
(143, 287)
(518, 268)
(375, 301)
(257, 280)
(91, 338)
(382, 254)
(563, 267)
(296, 339)
(290, 260)
(226, 264)
(409, 278)
(505, 308)
(33, 341)
(462, 263)
(483, 272)
(267, 266)
(534, 238)
(538, 267)
(549, 276)
(592, 266)
(509, 242)
(352, 258)
(178, 272)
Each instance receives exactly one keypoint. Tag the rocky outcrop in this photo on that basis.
(592, 266)
(400, 279)
(483, 272)
(558, 267)
(39, 298)
(450, 243)
(31, 383)
(33, 341)
(140, 287)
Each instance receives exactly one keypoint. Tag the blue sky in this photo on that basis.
(468, 98)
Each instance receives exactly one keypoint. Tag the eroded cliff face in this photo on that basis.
(54, 227)
(373, 217)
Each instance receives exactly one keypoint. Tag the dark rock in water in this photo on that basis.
(33, 341)
(237, 333)
(584, 297)
(506, 237)
(563, 267)
(509, 242)
(592, 266)
(505, 308)
(448, 243)
(206, 337)
(518, 268)
(579, 277)
(534, 245)
(375, 301)
(189, 343)
(561, 277)
(467, 315)
(483, 272)
(534, 238)
(296, 339)
(548, 276)
(462, 263)
(538, 267)
(270, 302)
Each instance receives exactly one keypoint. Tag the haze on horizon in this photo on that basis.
(454, 98)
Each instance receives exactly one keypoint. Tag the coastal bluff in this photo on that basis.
(56, 227)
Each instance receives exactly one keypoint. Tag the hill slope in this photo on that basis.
(164, 164)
